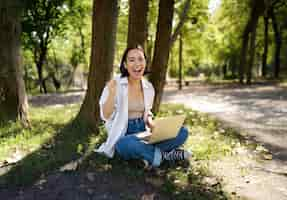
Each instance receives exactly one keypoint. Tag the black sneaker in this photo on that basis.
(176, 154)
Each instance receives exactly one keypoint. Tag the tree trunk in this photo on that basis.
(180, 63)
(137, 31)
(278, 43)
(251, 51)
(149, 50)
(182, 19)
(40, 53)
(161, 50)
(75, 61)
(224, 70)
(105, 13)
(257, 9)
(244, 48)
(41, 80)
(265, 53)
(72, 77)
(13, 99)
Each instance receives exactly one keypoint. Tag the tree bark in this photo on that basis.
(244, 47)
(105, 13)
(265, 53)
(278, 44)
(161, 50)
(149, 46)
(180, 63)
(40, 53)
(224, 70)
(251, 51)
(137, 31)
(13, 98)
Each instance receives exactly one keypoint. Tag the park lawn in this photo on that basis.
(53, 141)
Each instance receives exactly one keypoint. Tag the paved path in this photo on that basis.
(258, 111)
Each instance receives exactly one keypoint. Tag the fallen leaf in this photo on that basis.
(267, 156)
(148, 197)
(212, 181)
(69, 167)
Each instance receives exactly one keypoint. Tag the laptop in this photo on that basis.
(165, 128)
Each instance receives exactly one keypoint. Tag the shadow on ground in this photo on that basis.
(53, 154)
(98, 178)
(38, 178)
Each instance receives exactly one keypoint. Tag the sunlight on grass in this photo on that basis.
(44, 124)
(207, 139)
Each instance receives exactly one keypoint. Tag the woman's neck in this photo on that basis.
(133, 82)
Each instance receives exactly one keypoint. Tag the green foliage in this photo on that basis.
(63, 27)
(210, 40)
(193, 35)
(43, 19)
(122, 31)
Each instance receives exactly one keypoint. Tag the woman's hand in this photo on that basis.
(108, 107)
(112, 85)
(150, 123)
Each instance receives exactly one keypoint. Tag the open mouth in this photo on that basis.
(137, 70)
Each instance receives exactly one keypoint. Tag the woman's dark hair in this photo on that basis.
(124, 71)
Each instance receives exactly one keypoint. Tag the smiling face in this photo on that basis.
(135, 64)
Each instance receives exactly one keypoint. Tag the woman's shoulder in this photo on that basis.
(119, 79)
(148, 84)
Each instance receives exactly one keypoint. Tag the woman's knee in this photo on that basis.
(124, 145)
(183, 134)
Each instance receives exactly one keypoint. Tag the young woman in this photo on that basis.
(125, 106)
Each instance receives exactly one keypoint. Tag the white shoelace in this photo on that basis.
(173, 155)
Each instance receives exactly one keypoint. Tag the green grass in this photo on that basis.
(45, 122)
(49, 144)
(53, 142)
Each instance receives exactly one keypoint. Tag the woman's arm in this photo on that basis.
(149, 116)
(109, 105)
(150, 122)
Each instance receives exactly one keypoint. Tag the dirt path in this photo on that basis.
(259, 112)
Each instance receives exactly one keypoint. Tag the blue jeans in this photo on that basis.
(131, 147)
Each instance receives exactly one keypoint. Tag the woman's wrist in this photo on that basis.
(150, 115)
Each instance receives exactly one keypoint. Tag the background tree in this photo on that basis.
(137, 29)
(78, 17)
(161, 49)
(13, 99)
(266, 30)
(43, 20)
(257, 9)
(277, 39)
(193, 34)
(105, 13)
(182, 19)
(232, 20)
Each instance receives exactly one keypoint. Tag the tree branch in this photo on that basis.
(182, 20)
